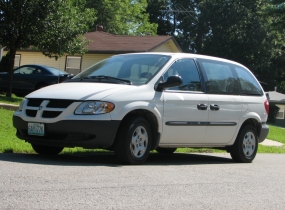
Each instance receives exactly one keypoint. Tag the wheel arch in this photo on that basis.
(255, 123)
(152, 120)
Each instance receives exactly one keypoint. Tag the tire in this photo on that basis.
(133, 141)
(165, 150)
(46, 150)
(245, 147)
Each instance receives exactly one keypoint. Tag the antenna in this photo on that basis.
(180, 9)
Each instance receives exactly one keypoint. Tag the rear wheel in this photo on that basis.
(165, 150)
(245, 147)
(46, 150)
(133, 141)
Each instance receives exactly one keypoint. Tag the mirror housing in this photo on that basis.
(172, 81)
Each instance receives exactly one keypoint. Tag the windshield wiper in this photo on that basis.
(103, 77)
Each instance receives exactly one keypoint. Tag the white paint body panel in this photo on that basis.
(166, 106)
(230, 108)
(182, 106)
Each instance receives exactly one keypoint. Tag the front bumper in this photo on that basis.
(71, 133)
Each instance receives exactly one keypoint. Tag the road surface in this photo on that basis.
(179, 181)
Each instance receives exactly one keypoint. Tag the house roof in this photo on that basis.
(275, 96)
(108, 43)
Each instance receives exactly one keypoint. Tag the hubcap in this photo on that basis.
(139, 142)
(249, 144)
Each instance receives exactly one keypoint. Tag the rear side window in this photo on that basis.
(219, 77)
(248, 84)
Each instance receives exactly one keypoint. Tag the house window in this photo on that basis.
(73, 64)
(280, 114)
(17, 61)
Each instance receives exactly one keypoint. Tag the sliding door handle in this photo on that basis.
(214, 107)
(202, 106)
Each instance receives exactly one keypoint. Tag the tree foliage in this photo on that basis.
(247, 31)
(122, 16)
(52, 26)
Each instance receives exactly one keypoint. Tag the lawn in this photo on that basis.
(10, 143)
(12, 100)
(277, 134)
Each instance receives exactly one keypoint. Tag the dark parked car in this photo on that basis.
(28, 78)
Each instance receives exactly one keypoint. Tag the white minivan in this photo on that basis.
(135, 103)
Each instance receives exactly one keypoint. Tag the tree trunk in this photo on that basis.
(10, 72)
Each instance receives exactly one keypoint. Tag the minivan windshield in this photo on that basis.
(135, 69)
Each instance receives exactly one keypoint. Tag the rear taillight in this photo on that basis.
(266, 106)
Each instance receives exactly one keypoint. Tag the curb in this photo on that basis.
(11, 107)
(268, 142)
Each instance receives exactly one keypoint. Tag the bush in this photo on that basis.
(273, 110)
(4, 63)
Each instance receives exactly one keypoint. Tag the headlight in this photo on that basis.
(21, 104)
(94, 107)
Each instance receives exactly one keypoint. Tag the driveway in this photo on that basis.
(179, 181)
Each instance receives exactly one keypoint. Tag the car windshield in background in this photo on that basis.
(55, 71)
(136, 69)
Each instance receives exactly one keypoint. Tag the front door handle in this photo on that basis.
(214, 107)
(202, 106)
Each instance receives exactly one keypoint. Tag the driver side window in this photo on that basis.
(187, 70)
(25, 70)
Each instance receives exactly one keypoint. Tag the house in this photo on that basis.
(278, 99)
(103, 45)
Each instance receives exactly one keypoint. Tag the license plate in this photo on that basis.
(37, 129)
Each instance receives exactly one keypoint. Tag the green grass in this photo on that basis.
(8, 141)
(276, 133)
(10, 100)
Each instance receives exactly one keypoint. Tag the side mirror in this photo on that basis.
(172, 81)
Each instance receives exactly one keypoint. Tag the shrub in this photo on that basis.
(273, 110)
(4, 63)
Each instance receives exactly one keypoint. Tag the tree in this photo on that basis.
(52, 26)
(232, 29)
(276, 14)
(158, 11)
(122, 16)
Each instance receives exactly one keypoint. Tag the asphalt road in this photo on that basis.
(180, 181)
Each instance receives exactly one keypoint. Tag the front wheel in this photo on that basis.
(46, 150)
(133, 141)
(245, 147)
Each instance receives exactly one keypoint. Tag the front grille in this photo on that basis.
(58, 104)
(51, 114)
(31, 113)
(35, 102)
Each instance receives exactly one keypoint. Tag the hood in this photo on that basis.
(78, 91)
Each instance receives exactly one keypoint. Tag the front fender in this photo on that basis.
(142, 105)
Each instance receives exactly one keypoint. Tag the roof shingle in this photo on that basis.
(105, 42)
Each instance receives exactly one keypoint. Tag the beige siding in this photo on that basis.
(39, 58)
(90, 59)
(167, 47)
